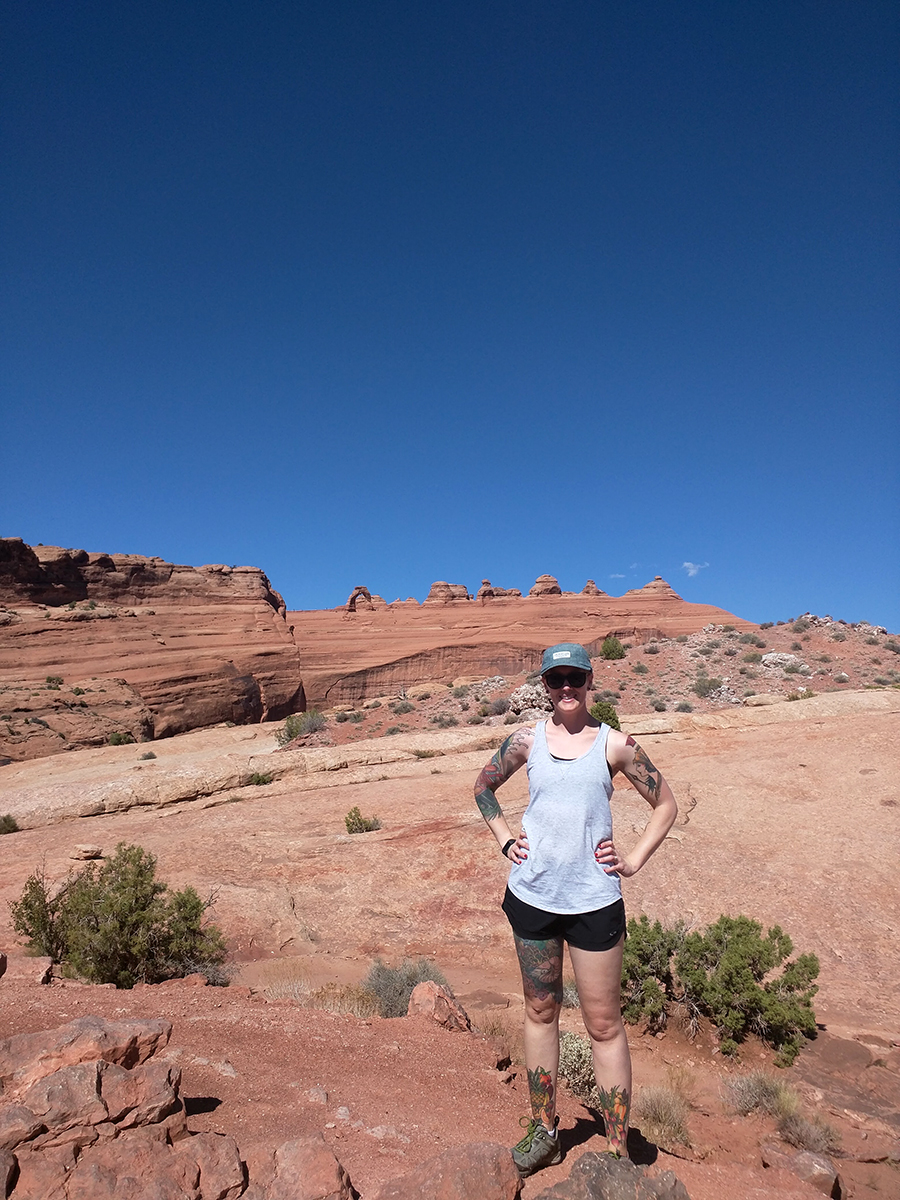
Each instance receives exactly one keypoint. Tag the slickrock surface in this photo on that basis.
(763, 830)
(350, 656)
(97, 644)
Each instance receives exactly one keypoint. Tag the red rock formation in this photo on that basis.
(375, 653)
(545, 585)
(488, 591)
(445, 593)
(591, 589)
(120, 643)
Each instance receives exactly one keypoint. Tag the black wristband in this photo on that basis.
(505, 850)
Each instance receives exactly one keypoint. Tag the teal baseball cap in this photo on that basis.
(565, 654)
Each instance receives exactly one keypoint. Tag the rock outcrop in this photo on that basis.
(545, 585)
(96, 645)
(591, 589)
(602, 1177)
(447, 593)
(349, 660)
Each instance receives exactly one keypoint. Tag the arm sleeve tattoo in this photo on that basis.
(507, 759)
(642, 770)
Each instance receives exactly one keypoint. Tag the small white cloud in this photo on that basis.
(617, 576)
(634, 566)
(693, 568)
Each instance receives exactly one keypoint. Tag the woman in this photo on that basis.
(564, 887)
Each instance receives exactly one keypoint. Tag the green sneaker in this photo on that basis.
(537, 1149)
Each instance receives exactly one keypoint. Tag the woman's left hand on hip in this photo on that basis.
(611, 861)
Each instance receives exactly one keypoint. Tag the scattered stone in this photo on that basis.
(84, 851)
(815, 1169)
(529, 698)
(777, 658)
(306, 1169)
(22, 968)
(479, 1171)
(434, 1001)
(602, 1177)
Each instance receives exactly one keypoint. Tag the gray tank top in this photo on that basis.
(568, 813)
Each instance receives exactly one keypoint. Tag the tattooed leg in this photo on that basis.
(598, 974)
(615, 1105)
(541, 966)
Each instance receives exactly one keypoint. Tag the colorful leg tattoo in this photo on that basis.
(614, 1106)
(541, 966)
(542, 1095)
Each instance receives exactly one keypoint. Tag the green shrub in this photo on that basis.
(722, 971)
(341, 717)
(684, 706)
(570, 998)
(703, 685)
(357, 823)
(511, 718)
(392, 729)
(682, 637)
(640, 668)
(752, 656)
(651, 648)
(802, 694)
(893, 646)
(116, 923)
(726, 974)
(793, 669)
(54, 682)
(258, 779)
(8, 824)
(393, 986)
(841, 677)
(800, 625)
(659, 705)
(749, 639)
(401, 707)
(612, 648)
(146, 757)
(78, 691)
(299, 724)
(647, 979)
(839, 636)
(499, 706)
(766, 624)
(120, 737)
(460, 692)
(357, 716)
(606, 713)
(796, 645)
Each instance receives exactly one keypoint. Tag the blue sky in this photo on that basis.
(386, 293)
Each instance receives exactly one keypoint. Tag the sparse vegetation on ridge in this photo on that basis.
(299, 724)
(357, 823)
(393, 986)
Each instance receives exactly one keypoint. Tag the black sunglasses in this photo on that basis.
(556, 680)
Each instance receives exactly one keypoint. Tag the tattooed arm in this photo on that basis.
(511, 755)
(625, 755)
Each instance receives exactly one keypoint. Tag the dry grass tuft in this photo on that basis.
(808, 1134)
(287, 980)
(576, 1066)
(683, 1083)
(760, 1092)
(663, 1115)
(344, 998)
(507, 1032)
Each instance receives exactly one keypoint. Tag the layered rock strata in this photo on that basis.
(101, 645)
(351, 656)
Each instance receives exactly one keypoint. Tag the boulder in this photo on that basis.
(306, 1169)
(478, 1171)
(434, 1001)
(545, 585)
(815, 1169)
(529, 698)
(27, 1057)
(602, 1177)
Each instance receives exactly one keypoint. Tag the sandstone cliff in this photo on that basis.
(354, 653)
(99, 644)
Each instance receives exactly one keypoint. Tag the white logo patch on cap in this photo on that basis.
(561, 654)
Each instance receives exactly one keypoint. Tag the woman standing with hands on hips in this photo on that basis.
(564, 887)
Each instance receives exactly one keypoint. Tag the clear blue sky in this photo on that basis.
(386, 293)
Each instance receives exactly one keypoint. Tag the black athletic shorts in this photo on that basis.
(597, 930)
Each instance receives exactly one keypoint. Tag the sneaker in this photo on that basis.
(537, 1149)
